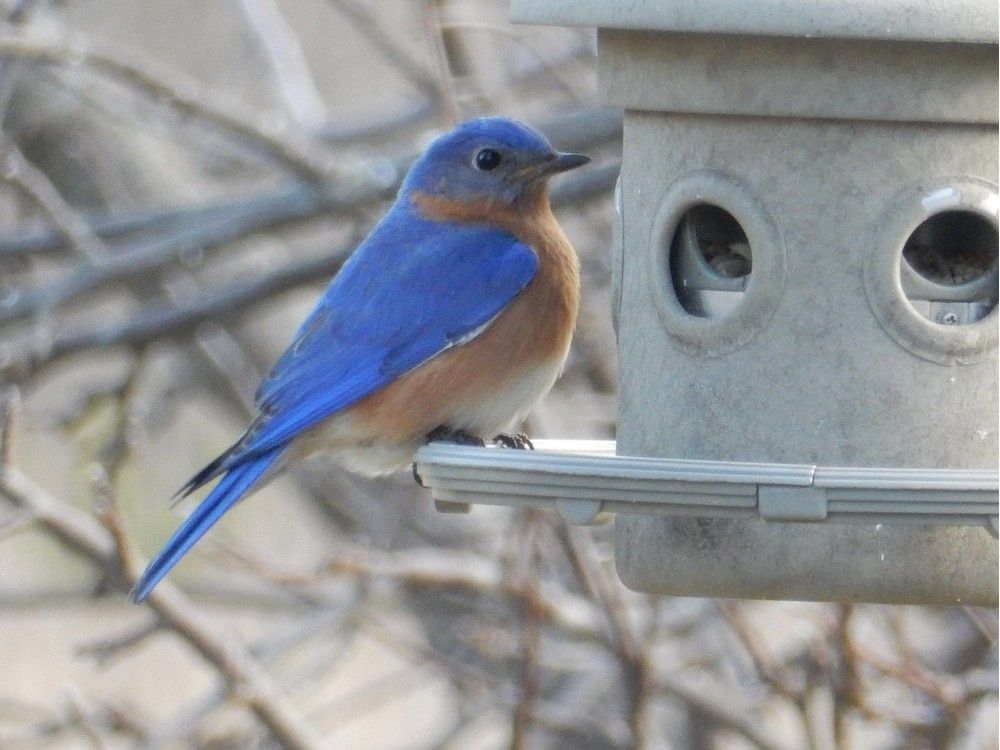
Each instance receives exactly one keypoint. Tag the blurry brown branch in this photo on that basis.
(287, 63)
(300, 153)
(530, 614)
(168, 321)
(266, 651)
(135, 259)
(76, 529)
(579, 129)
(364, 22)
(442, 65)
(108, 546)
(17, 170)
(430, 570)
(632, 653)
(108, 648)
(248, 681)
(721, 705)
(768, 670)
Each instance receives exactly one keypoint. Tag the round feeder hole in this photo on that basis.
(716, 263)
(949, 267)
(931, 270)
(710, 261)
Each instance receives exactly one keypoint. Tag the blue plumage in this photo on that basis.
(412, 289)
(222, 497)
(415, 287)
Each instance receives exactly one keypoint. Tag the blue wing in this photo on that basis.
(412, 289)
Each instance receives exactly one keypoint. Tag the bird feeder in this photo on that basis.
(806, 290)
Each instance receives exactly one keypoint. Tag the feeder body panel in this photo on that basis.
(829, 154)
(796, 77)
(729, 557)
(820, 381)
(779, 157)
(930, 20)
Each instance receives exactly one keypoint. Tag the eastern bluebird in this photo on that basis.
(453, 318)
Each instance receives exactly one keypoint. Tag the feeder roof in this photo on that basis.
(970, 21)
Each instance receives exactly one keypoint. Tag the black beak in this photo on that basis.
(563, 162)
(551, 164)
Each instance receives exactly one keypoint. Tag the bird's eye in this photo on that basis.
(487, 159)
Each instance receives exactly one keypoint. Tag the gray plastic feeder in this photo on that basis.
(806, 264)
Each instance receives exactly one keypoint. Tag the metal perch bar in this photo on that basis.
(585, 481)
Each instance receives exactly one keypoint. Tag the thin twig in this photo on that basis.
(9, 399)
(848, 689)
(138, 259)
(632, 651)
(108, 546)
(450, 111)
(364, 22)
(168, 321)
(74, 528)
(296, 150)
(719, 704)
(764, 665)
(433, 570)
(579, 129)
(247, 679)
(17, 170)
(266, 650)
(287, 62)
(531, 616)
(108, 648)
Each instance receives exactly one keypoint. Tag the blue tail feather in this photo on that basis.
(223, 496)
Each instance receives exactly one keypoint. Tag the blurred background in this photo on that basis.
(179, 179)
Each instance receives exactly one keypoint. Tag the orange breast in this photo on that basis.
(531, 334)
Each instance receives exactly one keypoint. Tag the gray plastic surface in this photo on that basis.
(829, 130)
(750, 530)
(929, 20)
(583, 480)
(840, 562)
(795, 77)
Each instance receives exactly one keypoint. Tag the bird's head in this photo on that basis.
(491, 159)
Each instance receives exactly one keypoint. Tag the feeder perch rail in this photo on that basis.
(586, 482)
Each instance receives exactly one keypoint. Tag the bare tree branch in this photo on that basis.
(413, 70)
(17, 170)
(109, 547)
(579, 129)
(287, 63)
(301, 154)
(247, 679)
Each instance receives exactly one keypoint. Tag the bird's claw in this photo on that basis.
(446, 434)
(519, 441)
(416, 475)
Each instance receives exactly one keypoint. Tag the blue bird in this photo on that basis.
(450, 320)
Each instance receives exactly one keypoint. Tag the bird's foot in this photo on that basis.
(446, 434)
(518, 441)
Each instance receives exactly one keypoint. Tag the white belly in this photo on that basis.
(354, 444)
